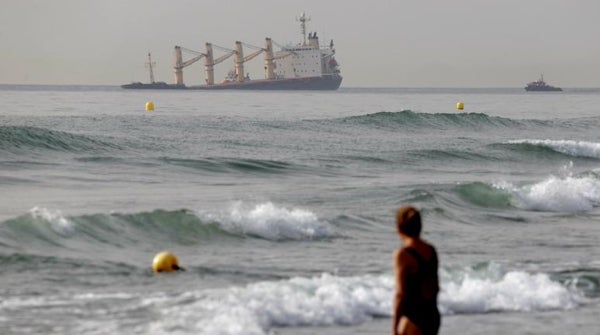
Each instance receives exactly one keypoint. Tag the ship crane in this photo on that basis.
(254, 54)
(287, 50)
(180, 64)
(209, 63)
(150, 64)
(240, 59)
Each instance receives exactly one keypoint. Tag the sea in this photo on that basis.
(280, 206)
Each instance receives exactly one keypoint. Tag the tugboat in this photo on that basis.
(541, 86)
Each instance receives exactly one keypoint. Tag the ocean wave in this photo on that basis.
(15, 138)
(42, 226)
(332, 300)
(38, 226)
(226, 165)
(271, 222)
(484, 195)
(563, 193)
(556, 194)
(567, 147)
(488, 288)
(410, 119)
(323, 300)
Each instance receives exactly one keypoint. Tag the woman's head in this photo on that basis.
(408, 221)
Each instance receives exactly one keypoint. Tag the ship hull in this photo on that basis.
(543, 89)
(324, 83)
(153, 86)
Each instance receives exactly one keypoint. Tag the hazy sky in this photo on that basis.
(403, 43)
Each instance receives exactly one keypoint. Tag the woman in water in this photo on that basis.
(416, 277)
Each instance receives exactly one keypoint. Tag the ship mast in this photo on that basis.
(150, 64)
(303, 19)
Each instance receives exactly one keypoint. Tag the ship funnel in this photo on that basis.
(313, 40)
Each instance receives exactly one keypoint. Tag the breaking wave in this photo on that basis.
(42, 226)
(567, 147)
(271, 222)
(554, 194)
(332, 300)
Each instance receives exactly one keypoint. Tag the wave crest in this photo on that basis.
(410, 119)
(42, 226)
(490, 289)
(271, 222)
(17, 137)
(567, 147)
(554, 194)
(557, 194)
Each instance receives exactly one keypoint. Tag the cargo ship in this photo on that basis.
(305, 66)
(541, 86)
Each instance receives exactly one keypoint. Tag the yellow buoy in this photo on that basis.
(165, 262)
(149, 106)
(460, 106)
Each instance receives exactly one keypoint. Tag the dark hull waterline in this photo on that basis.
(324, 83)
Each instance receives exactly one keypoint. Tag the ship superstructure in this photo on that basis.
(306, 66)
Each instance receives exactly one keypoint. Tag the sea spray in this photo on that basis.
(59, 224)
(556, 194)
(490, 289)
(268, 221)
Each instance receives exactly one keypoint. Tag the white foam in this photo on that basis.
(271, 222)
(256, 308)
(332, 300)
(557, 194)
(58, 222)
(569, 147)
(493, 290)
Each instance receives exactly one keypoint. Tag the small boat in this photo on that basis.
(541, 86)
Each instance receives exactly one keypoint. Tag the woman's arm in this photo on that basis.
(400, 282)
